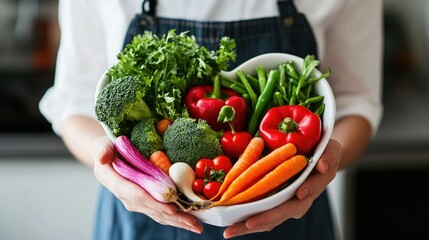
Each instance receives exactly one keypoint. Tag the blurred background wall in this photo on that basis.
(46, 194)
(386, 192)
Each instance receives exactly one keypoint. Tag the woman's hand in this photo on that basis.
(316, 183)
(134, 198)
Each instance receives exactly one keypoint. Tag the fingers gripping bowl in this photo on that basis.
(228, 215)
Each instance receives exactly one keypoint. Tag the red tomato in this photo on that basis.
(222, 162)
(211, 189)
(203, 167)
(198, 185)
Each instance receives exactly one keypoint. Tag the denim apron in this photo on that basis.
(289, 33)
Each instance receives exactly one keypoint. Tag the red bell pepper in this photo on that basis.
(233, 142)
(291, 124)
(205, 102)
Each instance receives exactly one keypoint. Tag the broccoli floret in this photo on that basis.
(187, 140)
(145, 138)
(120, 105)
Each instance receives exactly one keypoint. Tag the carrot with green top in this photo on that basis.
(269, 182)
(258, 169)
(250, 155)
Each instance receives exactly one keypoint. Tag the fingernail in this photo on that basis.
(195, 230)
(303, 193)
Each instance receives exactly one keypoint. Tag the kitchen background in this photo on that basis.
(46, 194)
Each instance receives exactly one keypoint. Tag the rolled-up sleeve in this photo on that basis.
(81, 60)
(354, 52)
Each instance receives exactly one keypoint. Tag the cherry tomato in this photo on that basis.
(222, 162)
(198, 185)
(203, 167)
(211, 189)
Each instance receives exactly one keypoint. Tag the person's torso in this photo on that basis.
(120, 13)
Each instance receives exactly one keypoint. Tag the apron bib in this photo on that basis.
(289, 33)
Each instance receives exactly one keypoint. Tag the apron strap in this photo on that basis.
(286, 7)
(149, 7)
(298, 26)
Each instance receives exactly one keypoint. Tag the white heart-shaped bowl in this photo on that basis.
(228, 215)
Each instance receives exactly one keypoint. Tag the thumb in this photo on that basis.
(103, 151)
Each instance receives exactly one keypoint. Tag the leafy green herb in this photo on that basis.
(169, 65)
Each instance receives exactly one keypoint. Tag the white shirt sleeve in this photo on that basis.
(81, 60)
(353, 49)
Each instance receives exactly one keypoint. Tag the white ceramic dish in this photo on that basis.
(228, 215)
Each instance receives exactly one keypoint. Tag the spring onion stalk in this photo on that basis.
(162, 191)
(132, 165)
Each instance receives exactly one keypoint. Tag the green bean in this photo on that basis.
(230, 81)
(263, 101)
(234, 87)
(308, 91)
(278, 99)
(313, 80)
(300, 96)
(282, 81)
(261, 78)
(249, 89)
(315, 99)
(292, 98)
(290, 70)
(246, 97)
(254, 82)
(312, 100)
(319, 111)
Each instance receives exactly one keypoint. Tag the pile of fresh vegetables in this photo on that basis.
(187, 134)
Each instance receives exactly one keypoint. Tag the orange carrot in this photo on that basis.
(161, 160)
(252, 153)
(259, 169)
(162, 126)
(269, 182)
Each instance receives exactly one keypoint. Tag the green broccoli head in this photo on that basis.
(188, 140)
(145, 138)
(120, 105)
